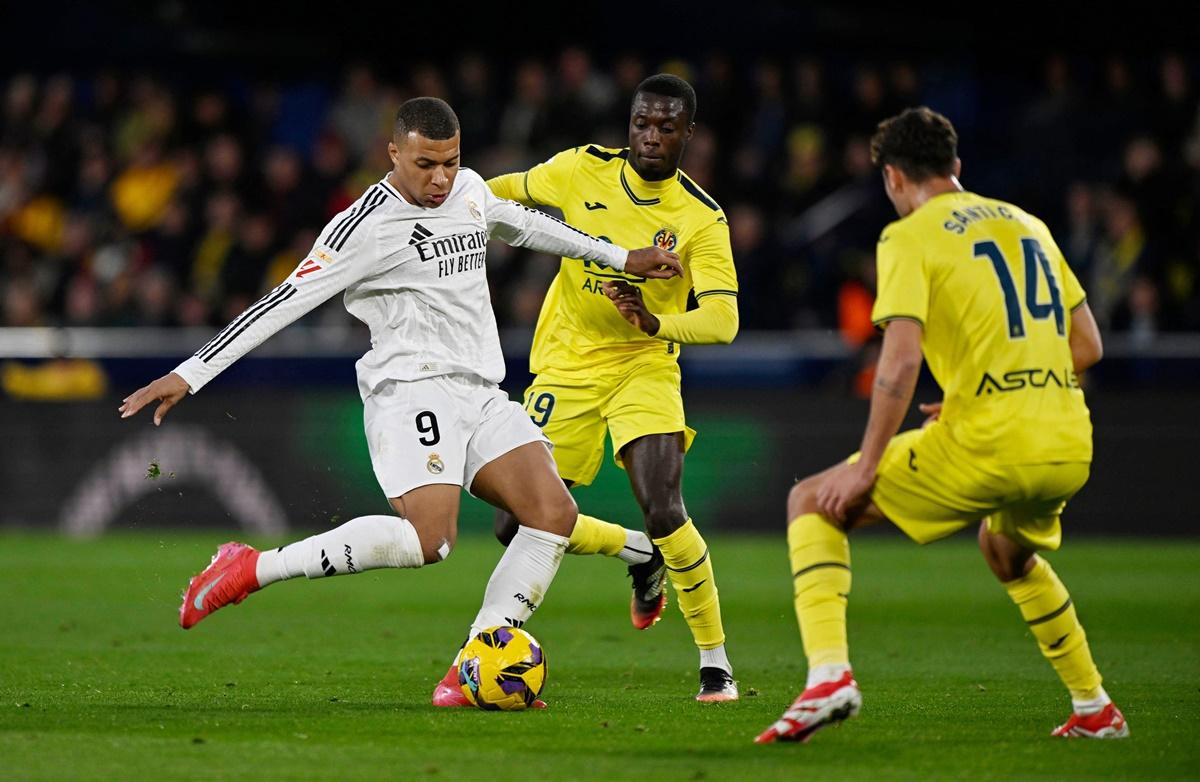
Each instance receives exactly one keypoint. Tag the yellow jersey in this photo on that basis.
(994, 296)
(578, 328)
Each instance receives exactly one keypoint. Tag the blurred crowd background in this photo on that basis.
(132, 198)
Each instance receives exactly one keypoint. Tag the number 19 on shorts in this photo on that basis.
(539, 407)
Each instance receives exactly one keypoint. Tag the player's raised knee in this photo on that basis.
(802, 498)
(555, 513)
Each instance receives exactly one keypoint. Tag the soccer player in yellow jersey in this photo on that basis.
(979, 287)
(603, 368)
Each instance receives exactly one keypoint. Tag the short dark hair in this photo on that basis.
(430, 117)
(669, 86)
(920, 142)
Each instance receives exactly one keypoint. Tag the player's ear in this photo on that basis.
(957, 168)
(891, 177)
(394, 153)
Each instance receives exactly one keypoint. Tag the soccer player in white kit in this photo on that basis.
(410, 256)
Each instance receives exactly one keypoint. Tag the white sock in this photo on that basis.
(520, 579)
(825, 673)
(364, 543)
(1094, 706)
(716, 658)
(637, 547)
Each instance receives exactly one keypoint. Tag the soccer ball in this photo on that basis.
(502, 668)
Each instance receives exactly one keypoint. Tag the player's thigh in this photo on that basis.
(646, 401)
(1033, 518)
(929, 488)
(524, 482)
(509, 464)
(568, 412)
(417, 434)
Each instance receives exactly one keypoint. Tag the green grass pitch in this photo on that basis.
(331, 679)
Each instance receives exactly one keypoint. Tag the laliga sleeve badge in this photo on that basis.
(434, 465)
(665, 239)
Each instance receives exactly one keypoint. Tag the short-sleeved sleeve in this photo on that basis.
(903, 281)
(543, 185)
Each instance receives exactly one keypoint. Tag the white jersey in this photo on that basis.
(416, 276)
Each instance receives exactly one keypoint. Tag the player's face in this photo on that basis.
(423, 170)
(658, 131)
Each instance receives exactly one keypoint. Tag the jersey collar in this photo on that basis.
(641, 191)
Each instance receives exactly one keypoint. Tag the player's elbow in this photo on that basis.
(1087, 347)
(728, 333)
(727, 324)
(1087, 355)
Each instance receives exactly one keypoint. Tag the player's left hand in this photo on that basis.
(844, 490)
(932, 411)
(628, 300)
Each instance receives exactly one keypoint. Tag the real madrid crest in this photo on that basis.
(665, 239)
(474, 209)
(434, 465)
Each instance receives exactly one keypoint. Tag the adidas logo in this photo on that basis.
(420, 234)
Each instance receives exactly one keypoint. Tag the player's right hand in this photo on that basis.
(653, 262)
(933, 411)
(168, 389)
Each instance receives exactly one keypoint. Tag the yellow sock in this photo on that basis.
(1048, 610)
(593, 536)
(820, 556)
(690, 569)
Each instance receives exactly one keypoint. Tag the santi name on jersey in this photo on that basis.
(963, 217)
(457, 253)
(1017, 379)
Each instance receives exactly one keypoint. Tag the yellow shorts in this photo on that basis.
(929, 487)
(574, 411)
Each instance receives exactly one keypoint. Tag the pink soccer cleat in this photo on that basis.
(448, 693)
(1108, 723)
(229, 578)
(827, 703)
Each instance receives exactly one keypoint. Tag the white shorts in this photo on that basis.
(441, 429)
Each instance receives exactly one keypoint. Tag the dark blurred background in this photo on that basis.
(164, 163)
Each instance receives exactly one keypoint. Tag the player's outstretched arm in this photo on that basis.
(1086, 346)
(521, 226)
(168, 390)
(895, 381)
(315, 280)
